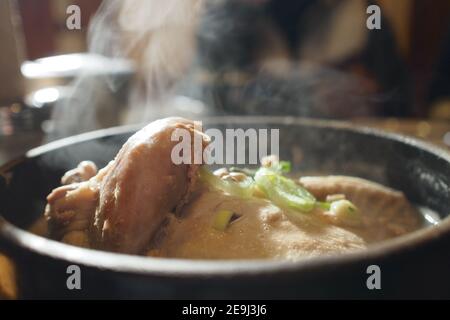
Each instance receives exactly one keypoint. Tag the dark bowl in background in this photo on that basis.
(416, 265)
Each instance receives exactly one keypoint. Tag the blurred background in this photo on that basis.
(131, 61)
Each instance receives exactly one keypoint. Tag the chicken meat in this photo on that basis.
(120, 208)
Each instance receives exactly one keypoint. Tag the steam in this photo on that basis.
(200, 57)
(157, 36)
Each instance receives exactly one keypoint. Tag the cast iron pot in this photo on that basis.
(413, 266)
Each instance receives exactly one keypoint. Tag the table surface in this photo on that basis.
(435, 132)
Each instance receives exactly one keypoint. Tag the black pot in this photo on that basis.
(412, 266)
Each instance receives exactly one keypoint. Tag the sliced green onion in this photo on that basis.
(343, 208)
(323, 205)
(284, 191)
(241, 189)
(345, 213)
(222, 219)
(284, 166)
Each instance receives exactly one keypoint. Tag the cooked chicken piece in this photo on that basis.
(83, 172)
(142, 186)
(384, 212)
(262, 231)
(70, 207)
(121, 207)
(69, 212)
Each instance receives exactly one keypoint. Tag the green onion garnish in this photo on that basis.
(284, 166)
(283, 191)
(323, 205)
(241, 189)
(222, 219)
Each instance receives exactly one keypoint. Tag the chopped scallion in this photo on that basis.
(284, 191)
(241, 189)
(222, 219)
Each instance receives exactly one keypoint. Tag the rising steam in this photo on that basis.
(228, 54)
(158, 36)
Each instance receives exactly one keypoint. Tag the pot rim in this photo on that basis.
(206, 268)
